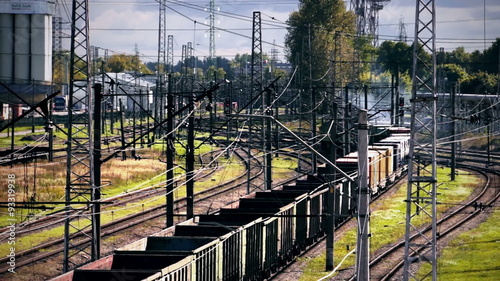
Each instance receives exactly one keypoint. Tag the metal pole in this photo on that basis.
(133, 127)
(393, 100)
(313, 129)
(397, 109)
(363, 240)
(230, 98)
(268, 140)
(276, 130)
(330, 219)
(190, 161)
(12, 138)
(170, 154)
(453, 133)
(122, 131)
(96, 188)
(347, 139)
(365, 88)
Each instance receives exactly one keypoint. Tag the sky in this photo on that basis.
(122, 25)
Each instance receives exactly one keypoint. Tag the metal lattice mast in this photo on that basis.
(373, 18)
(162, 31)
(160, 68)
(256, 86)
(80, 177)
(56, 32)
(360, 10)
(211, 50)
(402, 31)
(184, 66)
(367, 17)
(422, 177)
(257, 67)
(170, 54)
(189, 54)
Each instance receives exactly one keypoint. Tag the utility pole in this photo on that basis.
(190, 161)
(422, 175)
(347, 116)
(393, 100)
(365, 89)
(363, 239)
(399, 114)
(313, 129)
(268, 150)
(330, 219)
(170, 154)
(453, 134)
(228, 109)
(96, 190)
(122, 130)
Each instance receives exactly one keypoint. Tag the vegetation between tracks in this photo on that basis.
(473, 255)
(387, 221)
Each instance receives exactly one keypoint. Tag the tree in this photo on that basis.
(452, 72)
(399, 54)
(60, 67)
(491, 57)
(212, 72)
(124, 62)
(367, 53)
(458, 57)
(480, 83)
(325, 24)
(395, 54)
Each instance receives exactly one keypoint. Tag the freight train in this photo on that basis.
(253, 238)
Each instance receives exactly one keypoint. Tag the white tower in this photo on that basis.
(26, 49)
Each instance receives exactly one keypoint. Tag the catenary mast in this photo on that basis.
(422, 176)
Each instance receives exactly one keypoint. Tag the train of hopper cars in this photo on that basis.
(252, 238)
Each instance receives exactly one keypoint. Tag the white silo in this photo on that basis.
(25, 49)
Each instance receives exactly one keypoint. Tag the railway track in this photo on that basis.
(54, 218)
(205, 202)
(388, 264)
(468, 156)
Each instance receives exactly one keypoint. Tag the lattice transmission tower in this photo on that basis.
(211, 49)
(161, 63)
(81, 177)
(170, 54)
(402, 31)
(420, 245)
(367, 17)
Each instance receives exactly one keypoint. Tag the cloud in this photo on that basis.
(118, 26)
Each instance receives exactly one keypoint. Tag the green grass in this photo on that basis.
(282, 166)
(388, 217)
(474, 255)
